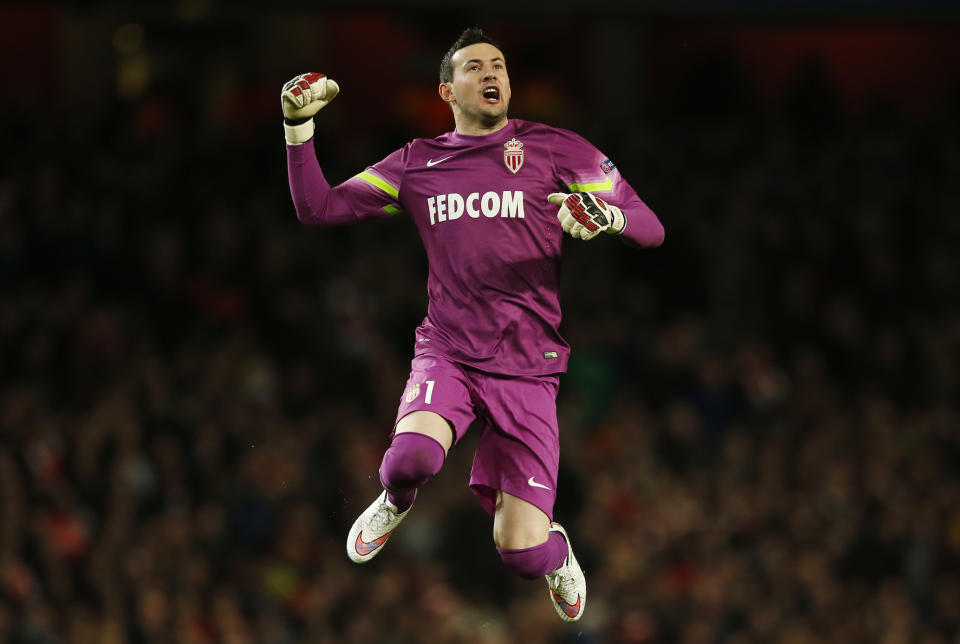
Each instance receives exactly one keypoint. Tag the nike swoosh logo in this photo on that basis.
(530, 481)
(366, 547)
(432, 163)
(571, 610)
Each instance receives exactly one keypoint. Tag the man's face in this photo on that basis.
(480, 86)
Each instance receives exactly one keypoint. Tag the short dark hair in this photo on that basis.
(470, 36)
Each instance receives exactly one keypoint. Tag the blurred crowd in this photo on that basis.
(759, 426)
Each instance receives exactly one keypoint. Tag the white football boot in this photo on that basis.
(372, 529)
(567, 585)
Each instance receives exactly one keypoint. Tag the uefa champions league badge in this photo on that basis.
(513, 155)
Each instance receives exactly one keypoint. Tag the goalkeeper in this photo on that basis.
(491, 201)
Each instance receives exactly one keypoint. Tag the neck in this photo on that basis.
(471, 127)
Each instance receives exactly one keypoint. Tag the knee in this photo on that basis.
(529, 563)
(518, 523)
(515, 535)
(411, 460)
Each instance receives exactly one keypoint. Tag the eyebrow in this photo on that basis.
(477, 60)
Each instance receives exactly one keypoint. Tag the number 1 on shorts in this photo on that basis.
(427, 397)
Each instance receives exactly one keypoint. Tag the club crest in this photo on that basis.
(513, 155)
(413, 392)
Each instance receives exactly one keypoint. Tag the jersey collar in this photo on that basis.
(507, 130)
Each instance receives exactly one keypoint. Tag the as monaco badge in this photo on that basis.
(413, 392)
(513, 155)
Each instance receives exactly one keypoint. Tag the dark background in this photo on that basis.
(759, 425)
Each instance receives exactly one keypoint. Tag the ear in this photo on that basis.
(446, 92)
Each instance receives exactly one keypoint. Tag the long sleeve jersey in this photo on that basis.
(492, 239)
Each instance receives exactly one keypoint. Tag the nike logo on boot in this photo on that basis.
(366, 547)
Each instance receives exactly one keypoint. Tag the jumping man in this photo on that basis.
(491, 201)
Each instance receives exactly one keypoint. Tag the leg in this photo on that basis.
(434, 409)
(416, 454)
(515, 479)
(518, 523)
(531, 546)
(522, 533)
(429, 424)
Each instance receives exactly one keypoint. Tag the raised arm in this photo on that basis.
(314, 200)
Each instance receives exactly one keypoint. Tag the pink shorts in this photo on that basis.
(519, 447)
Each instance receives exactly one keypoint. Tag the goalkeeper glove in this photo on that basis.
(301, 98)
(585, 216)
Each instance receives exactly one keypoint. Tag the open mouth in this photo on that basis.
(491, 94)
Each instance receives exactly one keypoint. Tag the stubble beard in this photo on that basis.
(489, 119)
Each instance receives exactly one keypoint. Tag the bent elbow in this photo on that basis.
(648, 233)
(306, 213)
(658, 236)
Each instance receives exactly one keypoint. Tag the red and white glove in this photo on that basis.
(585, 216)
(301, 98)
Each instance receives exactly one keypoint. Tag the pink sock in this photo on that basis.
(536, 561)
(411, 460)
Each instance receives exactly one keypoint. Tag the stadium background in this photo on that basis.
(760, 423)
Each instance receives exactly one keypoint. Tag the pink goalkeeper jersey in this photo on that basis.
(492, 239)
